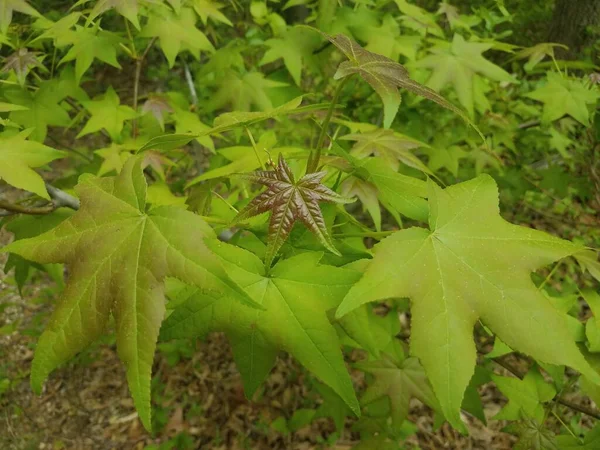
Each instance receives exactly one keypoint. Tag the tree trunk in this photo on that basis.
(572, 25)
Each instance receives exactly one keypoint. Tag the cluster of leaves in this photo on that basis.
(172, 238)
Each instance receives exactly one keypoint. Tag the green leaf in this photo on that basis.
(562, 95)
(209, 9)
(114, 158)
(27, 226)
(445, 157)
(108, 114)
(89, 44)
(537, 53)
(118, 257)
(385, 76)
(224, 122)
(295, 46)
(8, 107)
(418, 18)
(7, 7)
(176, 32)
(168, 142)
(394, 148)
(295, 296)
(590, 442)
(592, 326)
(18, 156)
(472, 265)
(399, 379)
(525, 397)
(241, 92)
(326, 14)
(333, 406)
(588, 260)
(289, 201)
(396, 191)
(456, 65)
(42, 108)
(243, 159)
(367, 194)
(127, 8)
(533, 436)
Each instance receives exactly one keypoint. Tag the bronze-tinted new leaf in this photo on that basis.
(290, 200)
(21, 61)
(385, 76)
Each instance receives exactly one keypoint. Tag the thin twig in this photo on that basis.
(190, 82)
(262, 166)
(136, 84)
(314, 157)
(529, 124)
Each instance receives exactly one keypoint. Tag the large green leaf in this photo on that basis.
(18, 156)
(118, 256)
(296, 296)
(471, 265)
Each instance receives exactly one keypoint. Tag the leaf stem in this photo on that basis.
(552, 272)
(566, 426)
(139, 61)
(313, 159)
(262, 166)
(373, 234)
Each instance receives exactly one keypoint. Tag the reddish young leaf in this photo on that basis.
(290, 200)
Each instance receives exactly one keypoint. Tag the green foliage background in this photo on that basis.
(437, 153)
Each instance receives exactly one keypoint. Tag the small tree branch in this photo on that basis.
(60, 199)
(18, 209)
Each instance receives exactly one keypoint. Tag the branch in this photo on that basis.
(574, 406)
(18, 209)
(190, 82)
(59, 198)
